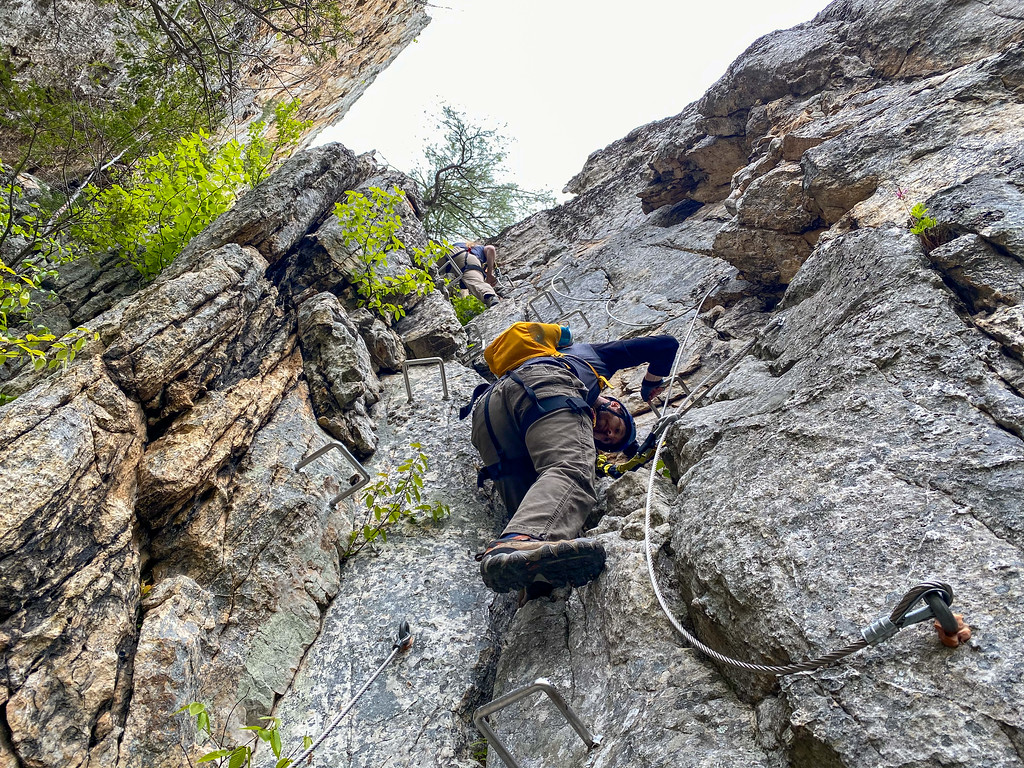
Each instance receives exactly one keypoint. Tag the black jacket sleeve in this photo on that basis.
(657, 351)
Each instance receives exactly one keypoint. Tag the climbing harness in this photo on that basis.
(424, 361)
(541, 407)
(355, 482)
(402, 643)
(541, 684)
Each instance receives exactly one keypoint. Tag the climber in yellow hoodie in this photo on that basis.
(538, 430)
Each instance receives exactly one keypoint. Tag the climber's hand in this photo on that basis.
(649, 389)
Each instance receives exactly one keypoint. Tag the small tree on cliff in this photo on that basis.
(459, 184)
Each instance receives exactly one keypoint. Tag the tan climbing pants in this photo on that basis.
(473, 279)
(550, 491)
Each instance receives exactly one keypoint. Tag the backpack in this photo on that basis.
(522, 341)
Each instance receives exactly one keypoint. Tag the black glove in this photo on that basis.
(647, 388)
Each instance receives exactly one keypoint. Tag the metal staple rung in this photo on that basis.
(563, 320)
(551, 300)
(476, 338)
(364, 475)
(424, 361)
(451, 260)
(542, 684)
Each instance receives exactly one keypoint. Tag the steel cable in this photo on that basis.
(608, 301)
(896, 617)
(403, 643)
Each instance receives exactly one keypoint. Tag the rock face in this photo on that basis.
(76, 42)
(163, 548)
(865, 432)
(870, 438)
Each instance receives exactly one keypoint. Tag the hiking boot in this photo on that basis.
(515, 563)
(492, 300)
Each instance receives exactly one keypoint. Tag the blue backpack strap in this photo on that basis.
(467, 409)
(542, 406)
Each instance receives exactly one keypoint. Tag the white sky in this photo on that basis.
(560, 77)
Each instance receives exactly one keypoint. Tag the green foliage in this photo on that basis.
(48, 125)
(460, 186)
(205, 40)
(172, 197)
(394, 496)
(478, 751)
(921, 222)
(662, 469)
(467, 307)
(240, 756)
(370, 226)
(260, 156)
(21, 287)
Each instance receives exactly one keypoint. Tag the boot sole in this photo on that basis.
(563, 564)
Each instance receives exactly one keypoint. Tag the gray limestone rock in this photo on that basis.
(253, 563)
(984, 277)
(431, 329)
(339, 372)
(275, 216)
(183, 328)
(870, 462)
(69, 456)
(383, 344)
(419, 711)
(860, 428)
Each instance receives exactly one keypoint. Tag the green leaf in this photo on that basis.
(307, 742)
(239, 757)
(275, 742)
(215, 755)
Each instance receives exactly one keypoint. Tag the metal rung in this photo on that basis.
(451, 260)
(424, 361)
(542, 684)
(500, 274)
(563, 320)
(682, 386)
(551, 300)
(352, 460)
(561, 280)
(477, 340)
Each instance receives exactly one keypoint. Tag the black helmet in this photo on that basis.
(628, 443)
